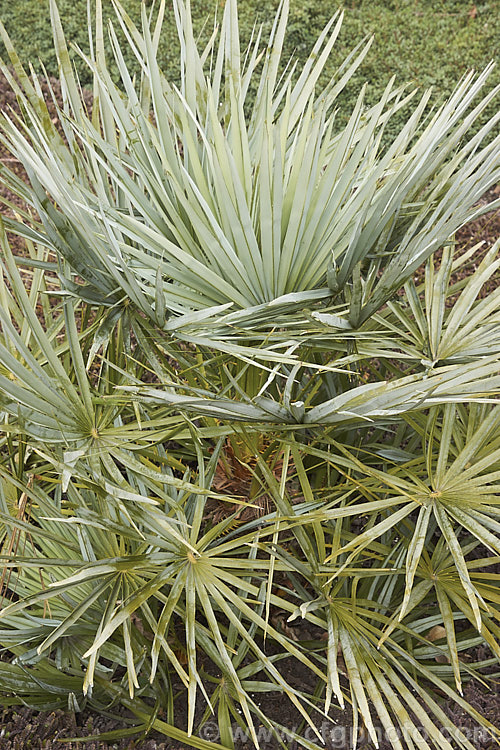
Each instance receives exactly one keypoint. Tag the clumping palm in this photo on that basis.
(248, 445)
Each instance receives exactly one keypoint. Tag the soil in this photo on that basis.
(22, 727)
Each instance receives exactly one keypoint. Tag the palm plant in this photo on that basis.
(243, 412)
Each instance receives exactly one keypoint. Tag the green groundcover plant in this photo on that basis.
(239, 432)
